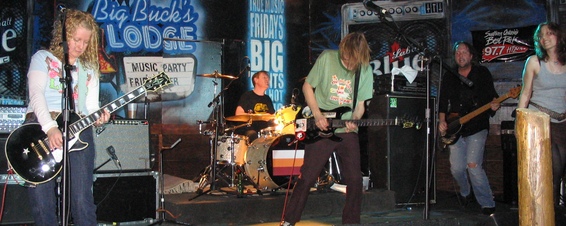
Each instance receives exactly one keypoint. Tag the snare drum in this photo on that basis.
(269, 161)
(228, 145)
(285, 118)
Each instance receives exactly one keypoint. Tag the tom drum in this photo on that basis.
(228, 145)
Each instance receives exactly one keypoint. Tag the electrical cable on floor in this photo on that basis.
(289, 183)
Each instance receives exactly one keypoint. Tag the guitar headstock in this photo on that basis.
(157, 82)
(514, 92)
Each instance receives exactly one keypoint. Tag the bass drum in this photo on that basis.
(259, 162)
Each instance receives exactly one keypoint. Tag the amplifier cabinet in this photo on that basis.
(126, 197)
(130, 140)
(16, 207)
(397, 155)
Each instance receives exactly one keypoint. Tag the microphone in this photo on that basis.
(61, 8)
(112, 153)
(294, 98)
(249, 67)
(373, 7)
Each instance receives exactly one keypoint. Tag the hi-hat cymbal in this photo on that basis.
(252, 117)
(217, 75)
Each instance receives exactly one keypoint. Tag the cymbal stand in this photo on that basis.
(210, 177)
(161, 208)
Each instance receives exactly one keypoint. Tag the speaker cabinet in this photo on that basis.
(126, 197)
(3, 160)
(16, 207)
(397, 155)
(130, 140)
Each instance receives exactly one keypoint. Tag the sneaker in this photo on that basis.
(285, 223)
(487, 210)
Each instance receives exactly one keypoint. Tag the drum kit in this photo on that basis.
(236, 160)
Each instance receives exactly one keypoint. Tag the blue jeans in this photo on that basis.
(469, 150)
(43, 197)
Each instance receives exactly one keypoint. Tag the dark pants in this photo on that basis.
(558, 146)
(316, 156)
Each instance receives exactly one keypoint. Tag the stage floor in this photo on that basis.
(324, 208)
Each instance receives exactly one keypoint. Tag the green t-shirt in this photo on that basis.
(334, 84)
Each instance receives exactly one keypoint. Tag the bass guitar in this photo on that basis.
(27, 148)
(307, 131)
(455, 122)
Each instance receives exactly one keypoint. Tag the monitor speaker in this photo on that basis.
(397, 155)
(130, 140)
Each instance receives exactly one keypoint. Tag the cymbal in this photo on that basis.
(217, 75)
(252, 117)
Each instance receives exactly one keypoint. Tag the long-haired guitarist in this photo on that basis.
(457, 98)
(329, 85)
(544, 89)
(45, 94)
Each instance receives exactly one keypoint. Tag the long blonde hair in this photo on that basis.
(355, 47)
(75, 19)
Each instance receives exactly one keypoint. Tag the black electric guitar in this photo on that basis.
(307, 131)
(455, 122)
(27, 149)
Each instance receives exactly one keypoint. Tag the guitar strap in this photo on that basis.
(82, 89)
(356, 84)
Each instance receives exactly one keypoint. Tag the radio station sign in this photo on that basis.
(504, 45)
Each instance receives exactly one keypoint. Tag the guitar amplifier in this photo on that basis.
(388, 84)
(11, 117)
(130, 140)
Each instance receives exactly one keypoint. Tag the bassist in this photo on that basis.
(459, 98)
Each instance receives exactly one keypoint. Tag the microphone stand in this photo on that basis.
(68, 107)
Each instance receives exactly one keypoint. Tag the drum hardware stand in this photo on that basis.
(232, 150)
(210, 172)
(328, 179)
(161, 176)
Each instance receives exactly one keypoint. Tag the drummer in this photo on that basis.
(255, 101)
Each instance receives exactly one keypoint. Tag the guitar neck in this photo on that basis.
(365, 122)
(471, 115)
(87, 121)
